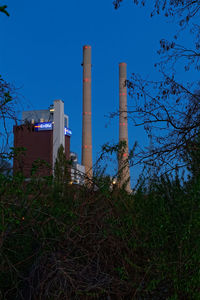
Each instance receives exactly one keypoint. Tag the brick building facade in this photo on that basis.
(41, 133)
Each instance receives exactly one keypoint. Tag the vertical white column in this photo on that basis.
(58, 128)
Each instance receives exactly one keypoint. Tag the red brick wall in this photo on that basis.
(67, 146)
(39, 145)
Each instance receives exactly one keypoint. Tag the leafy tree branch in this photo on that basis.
(3, 9)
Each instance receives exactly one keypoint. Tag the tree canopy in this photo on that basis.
(169, 108)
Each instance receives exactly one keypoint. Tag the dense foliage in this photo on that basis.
(62, 241)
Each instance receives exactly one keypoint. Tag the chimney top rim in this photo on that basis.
(86, 47)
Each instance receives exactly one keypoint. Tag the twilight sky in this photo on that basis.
(41, 54)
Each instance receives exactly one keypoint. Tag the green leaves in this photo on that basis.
(146, 245)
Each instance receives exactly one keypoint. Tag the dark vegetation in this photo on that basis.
(63, 241)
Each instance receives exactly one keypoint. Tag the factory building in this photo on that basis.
(41, 133)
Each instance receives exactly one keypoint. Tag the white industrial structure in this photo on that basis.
(59, 127)
(77, 170)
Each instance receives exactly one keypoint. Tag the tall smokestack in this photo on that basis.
(87, 114)
(123, 165)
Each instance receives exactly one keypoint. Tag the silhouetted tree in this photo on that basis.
(61, 167)
(169, 109)
(185, 9)
(7, 108)
(7, 113)
(192, 159)
(5, 167)
(3, 9)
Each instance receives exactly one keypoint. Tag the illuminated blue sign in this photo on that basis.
(68, 131)
(44, 126)
(49, 126)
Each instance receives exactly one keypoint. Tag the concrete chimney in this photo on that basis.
(87, 114)
(123, 164)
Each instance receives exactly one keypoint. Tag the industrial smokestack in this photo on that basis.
(87, 114)
(123, 165)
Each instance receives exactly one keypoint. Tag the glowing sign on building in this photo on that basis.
(44, 126)
(49, 126)
(68, 131)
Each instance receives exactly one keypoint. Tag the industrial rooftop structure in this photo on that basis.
(41, 133)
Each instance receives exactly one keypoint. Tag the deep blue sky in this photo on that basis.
(41, 53)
